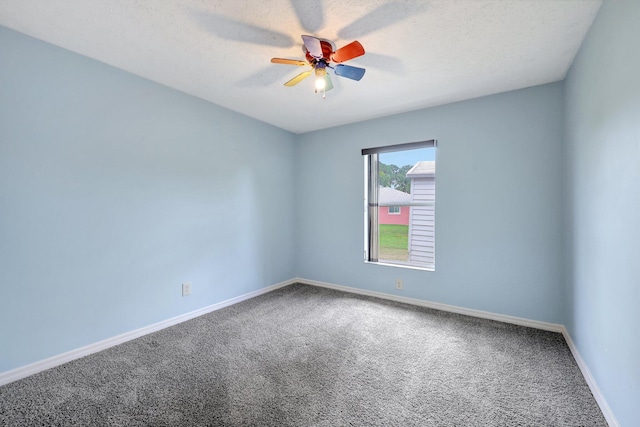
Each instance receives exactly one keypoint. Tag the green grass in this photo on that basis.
(394, 236)
(393, 242)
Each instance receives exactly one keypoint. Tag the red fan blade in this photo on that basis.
(350, 51)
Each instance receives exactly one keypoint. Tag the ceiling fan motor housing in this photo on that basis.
(319, 54)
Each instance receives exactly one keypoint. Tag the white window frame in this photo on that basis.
(371, 205)
(398, 212)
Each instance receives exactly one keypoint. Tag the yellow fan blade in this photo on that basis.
(288, 61)
(297, 79)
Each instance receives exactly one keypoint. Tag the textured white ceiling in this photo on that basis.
(419, 53)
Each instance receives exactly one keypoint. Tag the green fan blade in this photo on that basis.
(327, 83)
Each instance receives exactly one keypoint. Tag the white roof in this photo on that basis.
(388, 196)
(424, 168)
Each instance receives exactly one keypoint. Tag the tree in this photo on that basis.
(384, 179)
(394, 177)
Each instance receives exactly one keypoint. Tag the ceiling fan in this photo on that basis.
(320, 56)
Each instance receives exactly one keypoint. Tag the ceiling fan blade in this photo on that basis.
(288, 61)
(297, 79)
(313, 46)
(327, 83)
(350, 51)
(353, 73)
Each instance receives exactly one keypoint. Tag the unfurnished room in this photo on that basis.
(320, 213)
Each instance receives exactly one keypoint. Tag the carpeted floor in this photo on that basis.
(308, 356)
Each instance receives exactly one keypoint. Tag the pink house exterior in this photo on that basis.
(393, 206)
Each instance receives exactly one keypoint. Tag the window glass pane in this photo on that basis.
(406, 207)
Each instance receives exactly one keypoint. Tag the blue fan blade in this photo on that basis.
(353, 73)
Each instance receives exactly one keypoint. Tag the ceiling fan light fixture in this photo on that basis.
(320, 81)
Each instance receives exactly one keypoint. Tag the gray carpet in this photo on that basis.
(307, 356)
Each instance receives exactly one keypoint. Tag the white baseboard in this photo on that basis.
(553, 327)
(591, 382)
(51, 362)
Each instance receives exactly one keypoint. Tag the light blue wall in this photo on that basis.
(499, 239)
(603, 177)
(114, 190)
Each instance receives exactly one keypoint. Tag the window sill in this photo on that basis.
(407, 266)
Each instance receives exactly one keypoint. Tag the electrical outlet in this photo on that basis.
(399, 284)
(186, 289)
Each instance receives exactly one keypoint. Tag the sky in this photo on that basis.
(407, 157)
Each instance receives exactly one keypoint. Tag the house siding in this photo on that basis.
(422, 221)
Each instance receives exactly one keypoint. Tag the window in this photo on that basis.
(396, 177)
